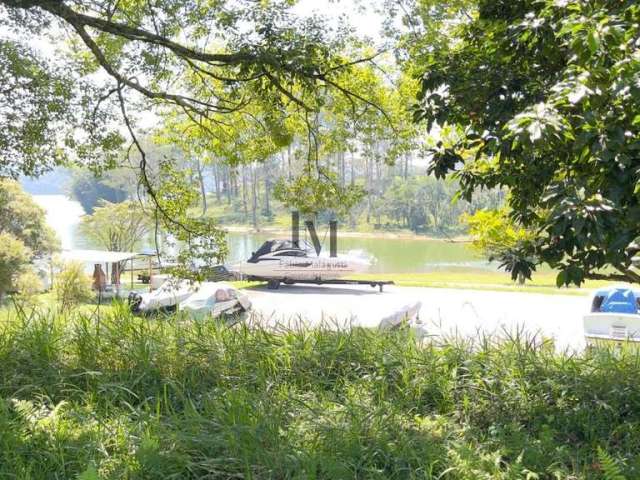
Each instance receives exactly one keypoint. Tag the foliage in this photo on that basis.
(14, 256)
(310, 194)
(28, 284)
(89, 189)
(71, 285)
(548, 94)
(21, 217)
(49, 122)
(424, 204)
(200, 242)
(119, 227)
(24, 234)
(495, 235)
(177, 399)
(194, 56)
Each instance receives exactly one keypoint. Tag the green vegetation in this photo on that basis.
(545, 100)
(90, 190)
(496, 235)
(24, 234)
(472, 279)
(413, 204)
(72, 286)
(118, 227)
(115, 396)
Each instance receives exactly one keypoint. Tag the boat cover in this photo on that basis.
(214, 298)
(618, 300)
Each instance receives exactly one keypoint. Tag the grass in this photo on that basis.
(112, 396)
(543, 281)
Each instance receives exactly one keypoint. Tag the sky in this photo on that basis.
(360, 14)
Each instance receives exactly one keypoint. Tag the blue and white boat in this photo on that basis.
(614, 316)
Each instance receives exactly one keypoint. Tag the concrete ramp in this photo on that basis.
(443, 312)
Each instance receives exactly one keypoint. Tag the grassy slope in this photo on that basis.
(121, 397)
(543, 282)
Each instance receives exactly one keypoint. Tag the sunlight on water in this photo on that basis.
(63, 215)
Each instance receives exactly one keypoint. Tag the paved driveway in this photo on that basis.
(443, 311)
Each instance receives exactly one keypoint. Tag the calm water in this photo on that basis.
(392, 255)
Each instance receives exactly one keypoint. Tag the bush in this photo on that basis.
(72, 285)
(14, 255)
(28, 285)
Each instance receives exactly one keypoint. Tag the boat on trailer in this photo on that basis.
(614, 316)
(283, 261)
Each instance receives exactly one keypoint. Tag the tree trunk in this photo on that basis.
(244, 194)
(267, 190)
(215, 168)
(353, 170)
(203, 192)
(254, 197)
(406, 166)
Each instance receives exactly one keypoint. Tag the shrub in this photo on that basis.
(14, 255)
(72, 285)
(28, 285)
(112, 396)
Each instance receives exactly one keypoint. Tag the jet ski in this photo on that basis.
(283, 261)
(614, 316)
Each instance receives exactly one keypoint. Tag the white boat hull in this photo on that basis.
(302, 268)
(607, 326)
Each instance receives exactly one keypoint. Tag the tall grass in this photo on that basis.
(115, 396)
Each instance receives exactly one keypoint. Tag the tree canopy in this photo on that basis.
(23, 219)
(547, 94)
(190, 55)
(24, 234)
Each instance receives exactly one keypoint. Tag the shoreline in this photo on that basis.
(279, 231)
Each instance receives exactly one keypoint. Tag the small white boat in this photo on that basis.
(614, 316)
(214, 299)
(281, 261)
(166, 297)
(198, 299)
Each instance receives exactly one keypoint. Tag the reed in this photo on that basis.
(109, 395)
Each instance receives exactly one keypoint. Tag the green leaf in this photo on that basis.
(593, 41)
(89, 474)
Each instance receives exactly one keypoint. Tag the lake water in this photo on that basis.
(391, 255)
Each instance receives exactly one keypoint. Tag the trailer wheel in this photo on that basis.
(273, 284)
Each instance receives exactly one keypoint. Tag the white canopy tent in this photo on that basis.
(96, 256)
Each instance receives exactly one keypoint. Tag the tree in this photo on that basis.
(116, 226)
(89, 189)
(119, 227)
(72, 285)
(495, 235)
(198, 59)
(14, 256)
(547, 98)
(24, 234)
(47, 111)
(23, 219)
(187, 54)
